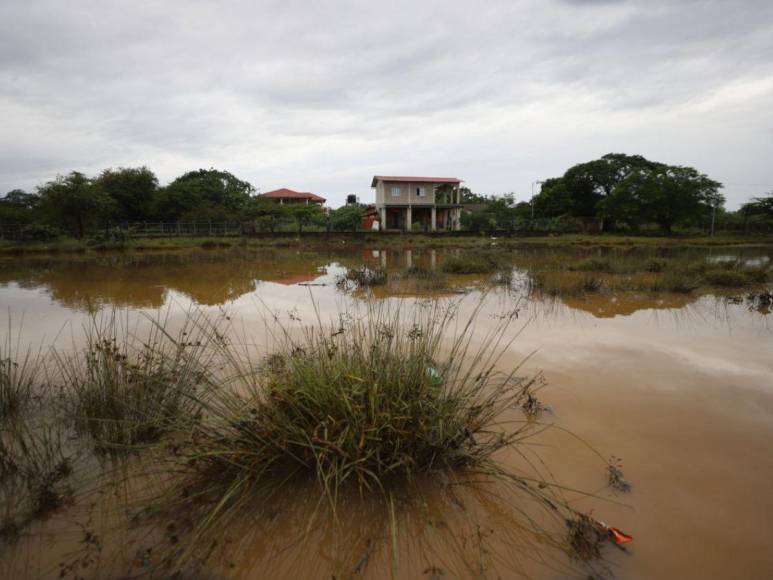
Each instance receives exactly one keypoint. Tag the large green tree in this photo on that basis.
(72, 202)
(663, 194)
(629, 189)
(202, 194)
(132, 189)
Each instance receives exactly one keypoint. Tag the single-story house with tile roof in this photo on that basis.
(285, 195)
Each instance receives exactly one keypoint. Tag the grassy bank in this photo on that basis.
(322, 241)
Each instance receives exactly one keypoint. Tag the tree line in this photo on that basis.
(76, 204)
(621, 192)
(617, 192)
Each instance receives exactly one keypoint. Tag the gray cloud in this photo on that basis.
(321, 95)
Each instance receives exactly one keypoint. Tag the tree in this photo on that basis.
(305, 214)
(499, 213)
(72, 202)
(267, 213)
(347, 217)
(666, 195)
(203, 193)
(132, 189)
(553, 200)
(467, 196)
(18, 207)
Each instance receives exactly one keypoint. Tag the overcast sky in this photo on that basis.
(319, 96)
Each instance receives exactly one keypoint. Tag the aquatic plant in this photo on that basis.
(592, 265)
(126, 392)
(34, 469)
(18, 376)
(482, 263)
(366, 403)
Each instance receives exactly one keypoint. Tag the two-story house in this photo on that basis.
(431, 202)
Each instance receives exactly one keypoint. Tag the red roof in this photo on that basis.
(285, 193)
(414, 179)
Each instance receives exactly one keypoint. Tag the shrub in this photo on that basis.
(40, 232)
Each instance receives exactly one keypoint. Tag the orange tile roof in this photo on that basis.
(285, 193)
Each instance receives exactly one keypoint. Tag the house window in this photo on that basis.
(421, 191)
(396, 191)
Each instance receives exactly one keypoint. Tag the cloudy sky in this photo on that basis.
(319, 96)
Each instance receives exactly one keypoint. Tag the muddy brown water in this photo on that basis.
(678, 386)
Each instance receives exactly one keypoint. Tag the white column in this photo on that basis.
(457, 219)
(408, 219)
(383, 258)
(433, 221)
(382, 214)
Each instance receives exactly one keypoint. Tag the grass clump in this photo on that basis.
(725, 278)
(34, 473)
(18, 376)
(359, 403)
(365, 404)
(127, 392)
(592, 265)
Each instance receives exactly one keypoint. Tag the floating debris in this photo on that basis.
(615, 475)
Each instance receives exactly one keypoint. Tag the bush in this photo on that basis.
(39, 233)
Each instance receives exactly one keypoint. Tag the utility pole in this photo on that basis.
(713, 216)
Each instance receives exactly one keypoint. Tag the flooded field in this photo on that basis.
(663, 359)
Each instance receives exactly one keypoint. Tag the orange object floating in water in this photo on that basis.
(619, 537)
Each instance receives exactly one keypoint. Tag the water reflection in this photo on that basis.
(212, 278)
